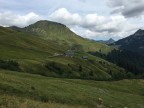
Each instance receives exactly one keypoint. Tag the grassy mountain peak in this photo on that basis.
(47, 29)
(61, 34)
(45, 24)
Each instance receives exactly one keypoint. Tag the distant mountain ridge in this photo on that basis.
(110, 41)
(133, 42)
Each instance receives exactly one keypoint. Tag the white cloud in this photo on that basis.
(91, 20)
(109, 24)
(10, 19)
(62, 15)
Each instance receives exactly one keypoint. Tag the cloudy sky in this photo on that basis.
(94, 19)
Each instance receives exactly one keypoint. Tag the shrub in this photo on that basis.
(9, 65)
(32, 87)
(58, 68)
(44, 98)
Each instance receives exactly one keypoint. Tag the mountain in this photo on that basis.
(40, 48)
(129, 54)
(57, 32)
(61, 35)
(134, 43)
(110, 41)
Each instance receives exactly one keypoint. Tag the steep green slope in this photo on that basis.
(15, 44)
(60, 33)
(16, 89)
(6, 30)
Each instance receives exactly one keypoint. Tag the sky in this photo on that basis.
(93, 19)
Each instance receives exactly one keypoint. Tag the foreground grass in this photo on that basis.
(22, 90)
(7, 101)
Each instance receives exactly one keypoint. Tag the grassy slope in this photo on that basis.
(33, 52)
(100, 70)
(60, 33)
(16, 44)
(16, 89)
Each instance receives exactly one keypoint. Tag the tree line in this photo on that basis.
(131, 61)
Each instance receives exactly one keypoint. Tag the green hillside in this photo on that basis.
(19, 90)
(62, 34)
(21, 45)
(38, 55)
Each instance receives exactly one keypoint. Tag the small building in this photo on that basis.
(56, 54)
(69, 53)
(85, 57)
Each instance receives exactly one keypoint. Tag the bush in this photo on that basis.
(44, 98)
(58, 68)
(9, 65)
